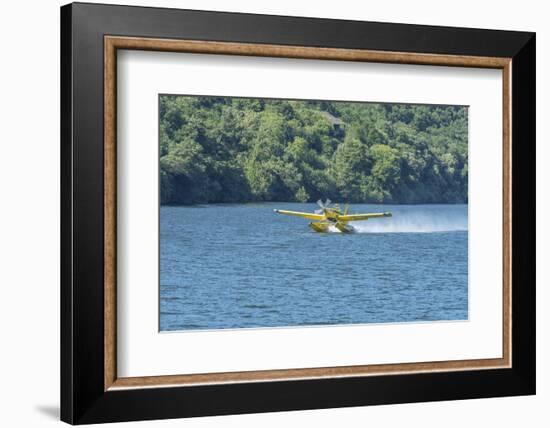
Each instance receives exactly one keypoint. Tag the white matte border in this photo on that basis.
(143, 351)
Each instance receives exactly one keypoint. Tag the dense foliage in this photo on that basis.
(240, 150)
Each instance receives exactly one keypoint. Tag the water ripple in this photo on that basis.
(240, 266)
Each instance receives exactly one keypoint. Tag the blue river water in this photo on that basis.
(242, 266)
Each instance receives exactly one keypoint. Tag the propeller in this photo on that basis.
(323, 206)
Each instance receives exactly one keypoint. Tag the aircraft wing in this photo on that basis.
(357, 217)
(309, 216)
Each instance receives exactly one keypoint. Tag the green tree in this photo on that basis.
(223, 149)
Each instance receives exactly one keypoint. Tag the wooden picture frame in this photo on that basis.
(91, 390)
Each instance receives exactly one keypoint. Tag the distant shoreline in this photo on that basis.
(223, 149)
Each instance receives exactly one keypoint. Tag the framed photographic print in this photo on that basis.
(265, 213)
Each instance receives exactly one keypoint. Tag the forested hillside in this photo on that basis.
(243, 150)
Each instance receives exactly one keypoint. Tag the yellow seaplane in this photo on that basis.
(332, 216)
